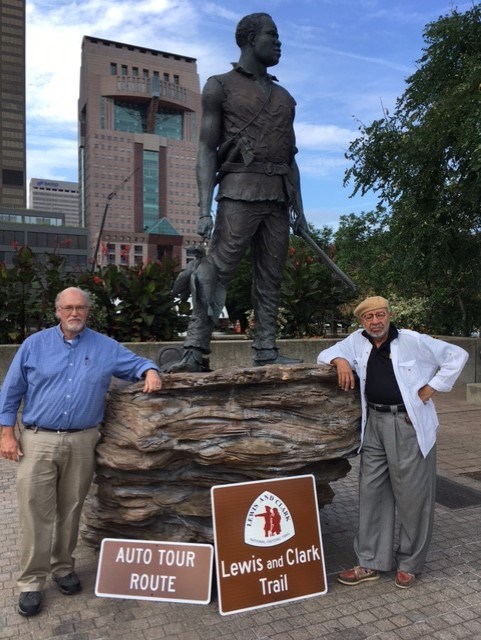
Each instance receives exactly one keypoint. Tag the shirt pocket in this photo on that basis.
(409, 372)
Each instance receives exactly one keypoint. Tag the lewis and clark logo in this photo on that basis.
(268, 522)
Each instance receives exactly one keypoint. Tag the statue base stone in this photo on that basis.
(161, 453)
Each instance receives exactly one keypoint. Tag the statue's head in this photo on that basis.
(251, 24)
(257, 36)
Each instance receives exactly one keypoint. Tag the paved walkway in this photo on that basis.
(445, 603)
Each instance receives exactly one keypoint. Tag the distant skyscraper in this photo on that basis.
(56, 196)
(12, 103)
(138, 114)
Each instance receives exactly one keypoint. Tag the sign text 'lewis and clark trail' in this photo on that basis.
(268, 543)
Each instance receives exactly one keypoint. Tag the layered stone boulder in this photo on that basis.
(161, 453)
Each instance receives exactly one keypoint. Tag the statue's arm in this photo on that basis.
(296, 198)
(209, 141)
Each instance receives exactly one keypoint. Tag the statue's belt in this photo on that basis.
(268, 168)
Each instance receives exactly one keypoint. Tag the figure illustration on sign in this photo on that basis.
(267, 521)
(275, 522)
(272, 521)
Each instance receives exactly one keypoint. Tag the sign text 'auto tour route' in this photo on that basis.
(145, 570)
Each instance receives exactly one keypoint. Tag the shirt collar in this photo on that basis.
(240, 69)
(392, 335)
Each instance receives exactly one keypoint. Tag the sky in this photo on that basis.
(344, 61)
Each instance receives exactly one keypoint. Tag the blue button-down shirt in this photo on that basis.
(64, 384)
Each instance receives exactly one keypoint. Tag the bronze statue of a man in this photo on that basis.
(247, 148)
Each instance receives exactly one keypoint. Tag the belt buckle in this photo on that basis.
(269, 169)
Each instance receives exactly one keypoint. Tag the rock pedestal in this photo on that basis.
(161, 453)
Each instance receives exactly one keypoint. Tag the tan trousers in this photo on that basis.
(54, 477)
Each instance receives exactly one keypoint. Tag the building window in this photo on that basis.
(113, 68)
(176, 79)
(168, 123)
(166, 77)
(135, 71)
(132, 118)
(150, 188)
(12, 178)
(124, 70)
(129, 117)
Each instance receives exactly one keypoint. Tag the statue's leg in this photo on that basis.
(269, 251)
(233, 232)
(232, 235)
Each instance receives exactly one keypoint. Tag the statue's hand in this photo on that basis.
(300, 223)
(204, 227)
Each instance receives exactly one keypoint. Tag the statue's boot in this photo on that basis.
(276, 358)
(193, 360)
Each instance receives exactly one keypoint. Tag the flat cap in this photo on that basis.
(369, 304)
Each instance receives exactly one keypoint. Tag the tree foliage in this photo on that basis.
(310, 294)
(424, 162)
(131, 304)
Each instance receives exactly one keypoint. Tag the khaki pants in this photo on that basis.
(54, 477)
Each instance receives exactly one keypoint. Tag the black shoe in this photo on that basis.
(69, 584)
(277, 360)
(30, 603)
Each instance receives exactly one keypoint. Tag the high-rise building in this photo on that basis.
(12, 103)
(56, 196)
(138, 115)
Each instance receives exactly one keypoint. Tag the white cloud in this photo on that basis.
(52, 158)
(322, 137)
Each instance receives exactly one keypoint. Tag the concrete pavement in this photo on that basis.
(444, 604)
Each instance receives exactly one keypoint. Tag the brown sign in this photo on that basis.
(145, 570)
(268, 543)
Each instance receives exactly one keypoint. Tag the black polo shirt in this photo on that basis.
(381, 385)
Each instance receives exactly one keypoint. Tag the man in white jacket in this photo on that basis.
(399, 371)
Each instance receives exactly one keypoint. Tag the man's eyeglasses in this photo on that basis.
(379, 315)
(70, 309)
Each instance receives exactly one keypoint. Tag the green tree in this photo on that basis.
(310, 294)
(363, 250)
(424, 162)
(131, 304)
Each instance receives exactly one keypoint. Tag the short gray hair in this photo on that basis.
(85, 294)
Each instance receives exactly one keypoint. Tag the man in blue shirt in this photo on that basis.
(62, 375)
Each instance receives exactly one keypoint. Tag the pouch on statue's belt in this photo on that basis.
(268, 168)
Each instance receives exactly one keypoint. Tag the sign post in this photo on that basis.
(268, 543)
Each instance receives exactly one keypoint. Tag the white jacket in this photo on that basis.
(417, 360)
